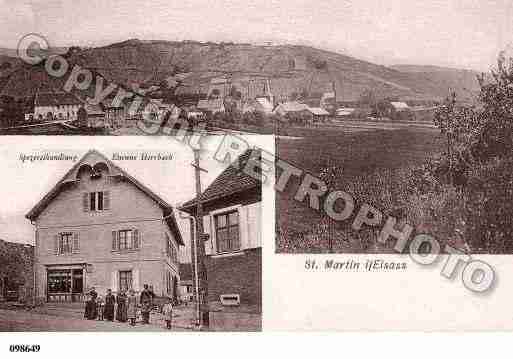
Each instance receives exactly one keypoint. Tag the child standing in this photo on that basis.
(167, 310)
(131, 307)
(99, 307)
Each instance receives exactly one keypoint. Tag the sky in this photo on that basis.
(457, 33)
(25, 183)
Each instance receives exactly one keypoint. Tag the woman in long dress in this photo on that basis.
(132, 307)
(146, 300)
(121, 312)
(90, 309)
(108, 311)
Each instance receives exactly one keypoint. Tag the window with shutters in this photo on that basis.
(96, 201)
(227, 232)
(125, 239)
(67, 243)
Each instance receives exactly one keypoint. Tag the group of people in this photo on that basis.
(125, 307)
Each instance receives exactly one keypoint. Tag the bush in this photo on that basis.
(477, 164)
(489, 207)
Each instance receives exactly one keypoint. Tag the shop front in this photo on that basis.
(65, 284)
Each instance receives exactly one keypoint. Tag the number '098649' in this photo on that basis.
(24, 348)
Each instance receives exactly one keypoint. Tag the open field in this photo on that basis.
(369, 164)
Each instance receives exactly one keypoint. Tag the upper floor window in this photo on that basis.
(227, 231)
(66, 243)
(125, 239)
(96, 201)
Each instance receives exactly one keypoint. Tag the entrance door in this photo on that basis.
(125, 280)
(77, 287)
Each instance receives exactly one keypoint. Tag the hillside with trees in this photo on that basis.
(291, 69)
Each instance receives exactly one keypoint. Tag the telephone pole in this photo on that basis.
(198, 247)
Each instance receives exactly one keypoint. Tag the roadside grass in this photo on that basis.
(52, 130)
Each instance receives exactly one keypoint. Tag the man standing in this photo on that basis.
(109, 306)
(146, 304)
(121, 312)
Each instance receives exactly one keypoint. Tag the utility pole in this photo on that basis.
(198, 247)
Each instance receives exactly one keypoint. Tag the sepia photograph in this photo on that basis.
(404, 108)
(96, 237)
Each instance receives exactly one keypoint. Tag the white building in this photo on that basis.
(54, 106)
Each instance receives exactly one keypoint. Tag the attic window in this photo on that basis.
(96, 175)
(96, 201)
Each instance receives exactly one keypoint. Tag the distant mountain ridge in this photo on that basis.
(289, 69)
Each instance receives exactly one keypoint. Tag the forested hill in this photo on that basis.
(289, 68)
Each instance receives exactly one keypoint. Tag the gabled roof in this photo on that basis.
(399, 105)
(65, 181)
(291, 106)
(93, 110)
(231, 181)
(211, 105)
(318, 111)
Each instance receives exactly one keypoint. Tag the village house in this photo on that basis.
(115, 114)
(299, 112)
(232, 207)
(100, 227)
(290, 107)
(397, 110)
(52, 106)
(260, 104)
(90, 115)
(16, 271)
(211, 106)
(120, 114)
(186, 285)
(159, 109)
(318, 114)
(399, 106)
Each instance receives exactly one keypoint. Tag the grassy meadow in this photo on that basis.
(378, 167)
